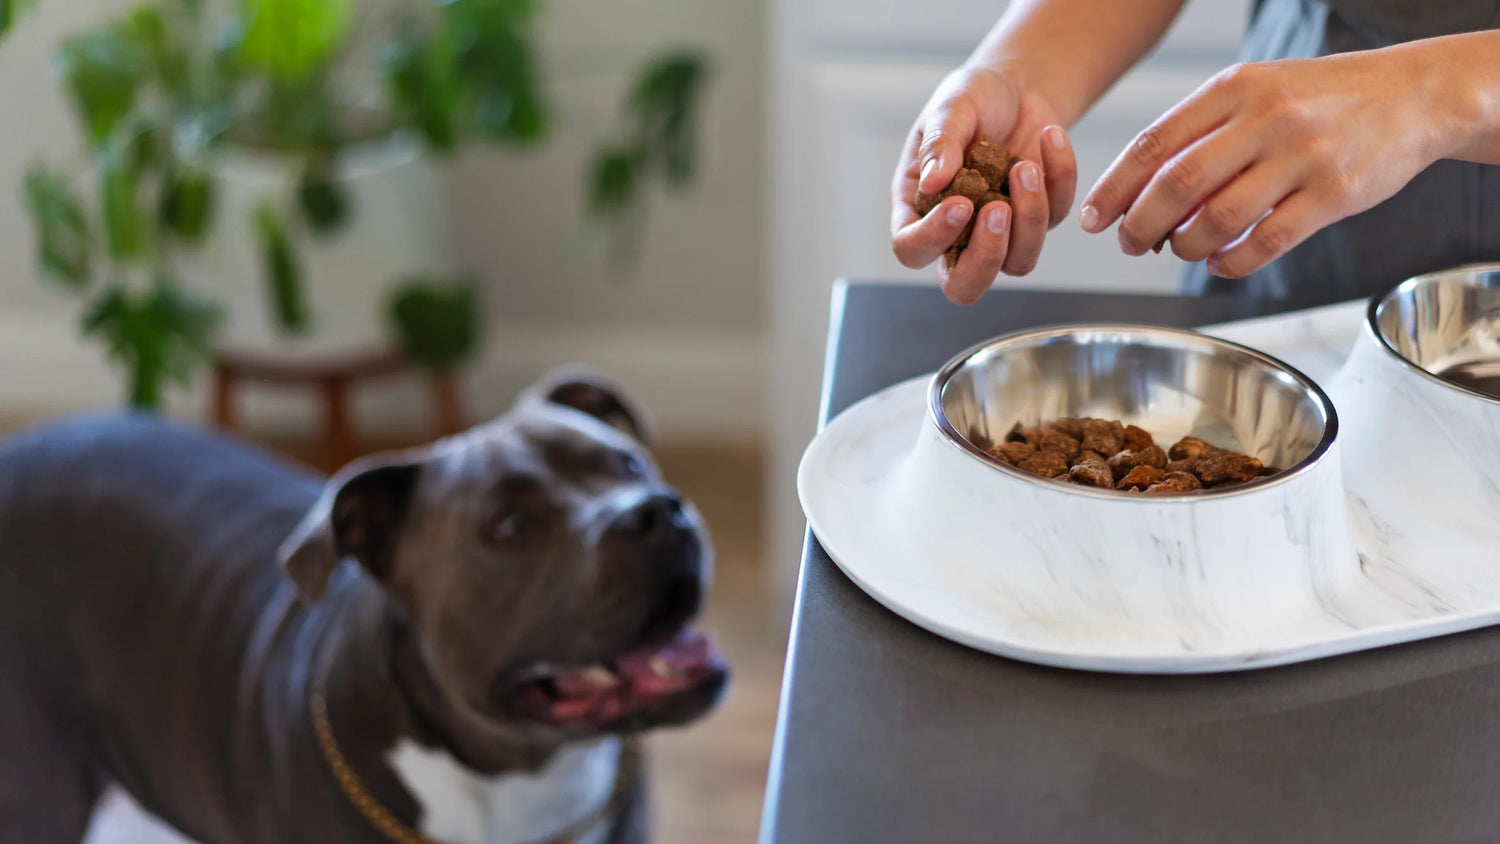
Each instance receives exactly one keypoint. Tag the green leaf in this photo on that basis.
(143, 144)
(438, 324)
(63, 243)
(282, 271)
(492, 50)
(123, 224)
(424, 86)
(664, 105)
(322, 199)
(102, 71)
(159, 335)
(149, 31)
(527, 122)
(292, 38)
(187, 200)
(10, 10)
(613, 182)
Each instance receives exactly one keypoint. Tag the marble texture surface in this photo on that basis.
(1378, 544)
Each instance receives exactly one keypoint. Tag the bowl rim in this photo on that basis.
(937, 416)
(1372, 322)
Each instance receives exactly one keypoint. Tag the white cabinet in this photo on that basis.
(847, 79)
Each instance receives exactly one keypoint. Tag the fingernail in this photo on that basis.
(1088, 217)
(1055, 137)
(999, 218)
(927, 170)
(1213, 266)
(1030, 179)
(958, 213)
(1126, 246)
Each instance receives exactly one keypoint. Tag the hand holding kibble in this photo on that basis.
(984, 178)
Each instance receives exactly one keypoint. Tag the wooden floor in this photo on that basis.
(709, 779)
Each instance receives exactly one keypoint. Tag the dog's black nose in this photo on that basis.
(658, 517)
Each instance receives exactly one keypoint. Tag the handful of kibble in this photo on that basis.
(1107, 454)
(984, 178)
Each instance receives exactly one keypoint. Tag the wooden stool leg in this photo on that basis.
(448, 403)
(338, 434)
(223, 398)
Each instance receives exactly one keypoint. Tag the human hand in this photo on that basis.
(1263, 155)
(974, 104)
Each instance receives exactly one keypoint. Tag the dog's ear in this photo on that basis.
(592, 392)
(356, 516)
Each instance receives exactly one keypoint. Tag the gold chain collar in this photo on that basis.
(394, 829)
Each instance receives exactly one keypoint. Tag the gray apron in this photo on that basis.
(1448, 215)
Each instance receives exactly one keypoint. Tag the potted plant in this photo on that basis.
(178, 100)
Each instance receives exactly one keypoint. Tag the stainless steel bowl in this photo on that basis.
(1169, 381)
(1446, 325)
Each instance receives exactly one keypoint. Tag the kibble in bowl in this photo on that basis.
(1122, 410)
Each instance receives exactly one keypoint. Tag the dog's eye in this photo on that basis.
(630, 465)
(509, 527)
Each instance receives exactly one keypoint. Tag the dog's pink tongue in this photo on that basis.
(670, 666)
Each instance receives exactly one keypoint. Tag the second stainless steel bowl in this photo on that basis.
(1169, 381)
(1446, 325)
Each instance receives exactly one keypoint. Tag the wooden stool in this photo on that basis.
(334, 376)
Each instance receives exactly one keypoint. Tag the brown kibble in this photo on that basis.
(1140, 477)
(1092, 472)
(1103, 436)
(993, 163)
(1018, 434)
(1136, 464)
(1153, 456)
(1191, 447)
(983, 179)
(1186, 464)
(1048, 464)
(1137, 439)
(1227, 466)
(1051, 439)
(968, 184)
(1175, 482)
(1123, 462)
(1013, 453)
(1071, 426)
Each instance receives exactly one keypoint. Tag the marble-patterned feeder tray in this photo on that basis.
(1418, 554)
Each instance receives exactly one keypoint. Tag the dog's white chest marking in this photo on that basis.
(462, 807)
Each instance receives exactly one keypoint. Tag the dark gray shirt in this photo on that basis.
(1448, 215)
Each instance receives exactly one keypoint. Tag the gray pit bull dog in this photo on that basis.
(456, 646)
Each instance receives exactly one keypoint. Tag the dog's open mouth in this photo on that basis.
(667, 679)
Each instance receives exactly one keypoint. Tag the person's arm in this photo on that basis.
(1037, 71)
(1265, 154)
(1071, 51)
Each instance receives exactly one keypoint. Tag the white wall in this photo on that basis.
(685, 333)
(686, 329)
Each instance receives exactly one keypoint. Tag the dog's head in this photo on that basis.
(547, 572)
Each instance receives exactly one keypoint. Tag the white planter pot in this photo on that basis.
(396, 227)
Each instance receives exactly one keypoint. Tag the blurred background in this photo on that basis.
(333, 226)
